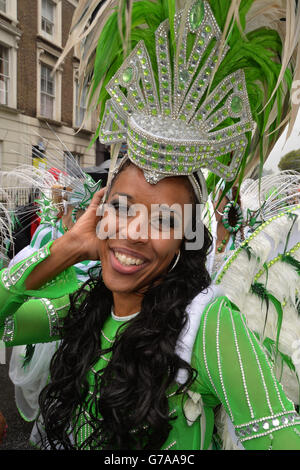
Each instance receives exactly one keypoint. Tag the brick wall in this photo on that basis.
(27, 60)
(67, 87)
(27, 66)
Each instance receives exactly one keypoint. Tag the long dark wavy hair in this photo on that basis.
(128, 406)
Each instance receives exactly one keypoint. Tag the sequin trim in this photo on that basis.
(11, 276)
(241, 365)
(9, 330)
(265, 426)
(171, 445)
(53, 318)
(205, 356)
(261, 372)
(219, 356)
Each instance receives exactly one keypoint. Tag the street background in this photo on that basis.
(18, 433)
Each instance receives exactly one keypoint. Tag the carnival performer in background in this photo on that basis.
(148, 349)
(239, 213)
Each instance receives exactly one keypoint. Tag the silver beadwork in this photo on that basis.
(260, 368)
(205, 356)
(170, 131)
(265, 426)
(9, 330)
(219, 356)
(10, 276)
(53, 318)
(241, 366)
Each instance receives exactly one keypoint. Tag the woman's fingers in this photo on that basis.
(97, 198)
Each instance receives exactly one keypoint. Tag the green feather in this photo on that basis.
(292, 262)
(28, 355)
(258, 53)
(260, 290)
(269, 344)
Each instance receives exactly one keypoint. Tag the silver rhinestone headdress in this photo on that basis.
(174, 125)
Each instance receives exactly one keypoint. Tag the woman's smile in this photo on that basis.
(126, 261)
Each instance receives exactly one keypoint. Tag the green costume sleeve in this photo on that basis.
(236, 372)
(28, 317)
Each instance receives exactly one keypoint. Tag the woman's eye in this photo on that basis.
(163, 222)
(121, 208)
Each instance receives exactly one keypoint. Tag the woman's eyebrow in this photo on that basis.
(171, 210)
(122, 194)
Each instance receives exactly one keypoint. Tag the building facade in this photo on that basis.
(38, 106)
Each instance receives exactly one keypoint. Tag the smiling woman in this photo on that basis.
(120, 379)
(148, 349)
(160, 296)
(130, 250)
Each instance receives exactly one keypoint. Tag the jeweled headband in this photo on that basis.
(177, 127)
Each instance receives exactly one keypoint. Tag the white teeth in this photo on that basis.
(127, 260)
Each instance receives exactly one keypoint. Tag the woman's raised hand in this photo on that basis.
(83, 233)
(78, 244)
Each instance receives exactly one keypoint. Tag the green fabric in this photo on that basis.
(63, 284)
(32, 322)
(186, 437)
(219, 321)
(240, 361)
(232, 370)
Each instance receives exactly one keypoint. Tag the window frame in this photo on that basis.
(11, 11)
(10, 37)
(46, 59)
(5, 10)
(56, 37)
(46, 93)
(7, 78)
(46, 19)
(81, 108)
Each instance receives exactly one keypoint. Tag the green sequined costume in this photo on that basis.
(232, 368)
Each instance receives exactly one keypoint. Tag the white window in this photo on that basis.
(3, 5)
(9, 9)
(47, 17)
(80, 106)
(47, 92)
(4, 75)
(49, 20)
(9, 38)
(49, 83)
(1, 156)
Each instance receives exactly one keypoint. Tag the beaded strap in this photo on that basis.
(251, 237)
(10, 276)
(54, 321)
(171, 445)
(275, 260)
(265, 426)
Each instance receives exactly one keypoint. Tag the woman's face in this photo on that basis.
(144, 241)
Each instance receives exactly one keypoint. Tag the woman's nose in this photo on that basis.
(136, 226)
